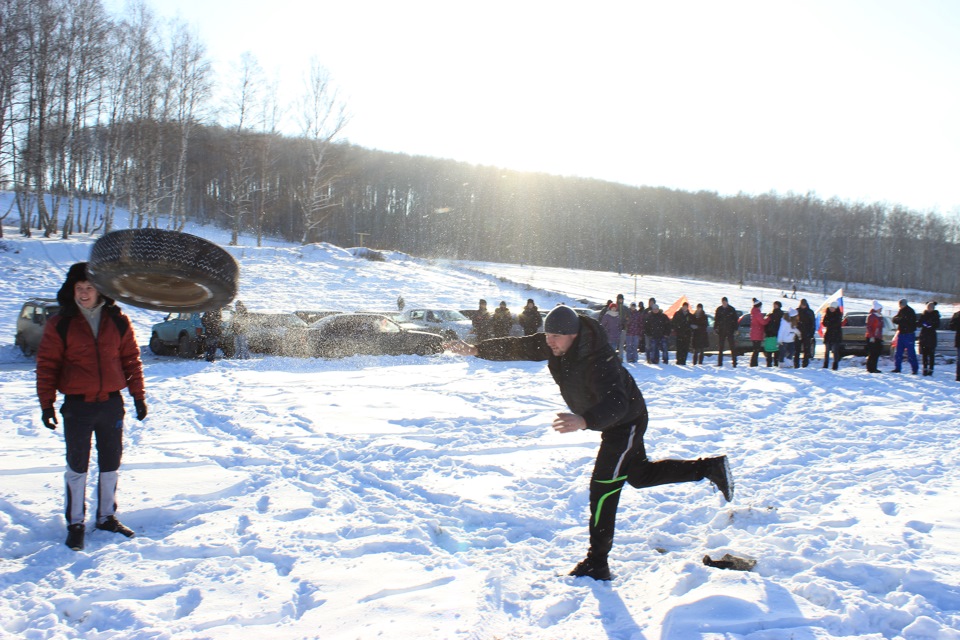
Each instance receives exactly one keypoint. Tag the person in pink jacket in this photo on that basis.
(758, 324)
(874, 337)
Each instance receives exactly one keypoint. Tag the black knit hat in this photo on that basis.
(76, 273)
(562, 320)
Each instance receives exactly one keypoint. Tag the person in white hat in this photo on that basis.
(788, 337)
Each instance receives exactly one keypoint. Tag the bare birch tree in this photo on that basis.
(323, 117)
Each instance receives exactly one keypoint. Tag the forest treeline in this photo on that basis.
(99, 115)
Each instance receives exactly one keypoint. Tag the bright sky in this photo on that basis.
(858, 99)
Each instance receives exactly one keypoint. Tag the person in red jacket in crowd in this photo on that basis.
(88, 353)
(874, 337)
(758, 324)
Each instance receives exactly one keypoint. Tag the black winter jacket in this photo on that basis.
(806, 322)
(773, 326)
(832, 326)
(592, 381)
(906, 320)
(929, 323)
(726, 320)
(681, 325)
(955, 326)
(657, 325)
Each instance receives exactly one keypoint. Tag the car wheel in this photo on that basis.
(184, 347)
(163, 270)
(157, 346)
(21, 342)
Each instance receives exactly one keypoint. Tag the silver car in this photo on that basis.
(448, 323)
(31, 321)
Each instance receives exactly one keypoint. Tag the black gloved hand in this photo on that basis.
(49, 418)
(141, 407)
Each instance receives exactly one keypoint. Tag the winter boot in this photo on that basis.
(717, 471)
(75, 536)
(592, 568)
(111, 524)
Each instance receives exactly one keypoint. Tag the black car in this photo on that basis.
(347, 334)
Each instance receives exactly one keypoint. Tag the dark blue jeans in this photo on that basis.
(906, 342)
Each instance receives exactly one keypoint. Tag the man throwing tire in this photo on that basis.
(602, 396)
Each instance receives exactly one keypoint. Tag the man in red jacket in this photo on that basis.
(89, 353)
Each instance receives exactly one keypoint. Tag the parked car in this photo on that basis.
(31, 322)
(583, 311)
(311, 316)
(743, 343)
(854, 328)
(945, 342)
(448, 323)
(347, 334)
(276, 333)
(182, 334)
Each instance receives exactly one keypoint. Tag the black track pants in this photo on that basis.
(622, 458)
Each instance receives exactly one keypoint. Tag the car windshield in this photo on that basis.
(450, 316)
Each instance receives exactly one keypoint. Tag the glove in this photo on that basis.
(141, 407)
(49, 418)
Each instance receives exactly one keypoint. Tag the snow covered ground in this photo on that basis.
(427, 497)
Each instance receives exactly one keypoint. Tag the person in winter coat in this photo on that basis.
(634, 329)
(502, 321)
(482, 322)
(699, 340)
(954, 325)
(602, 396)
(929, 323)
(212, 322)
(657, 329)
(726, 320)
(832, 335)
(758, 325)
(610, 321)
(89, 353)
(788, 337)
(906, 321)
(807, 324)
(771, 330)
(529, 319)
(648, 343)
(681, 328)
(874, 337)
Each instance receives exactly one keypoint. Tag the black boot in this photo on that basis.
(717, 471)
(113, 525)
(591, 567)
(75, 536)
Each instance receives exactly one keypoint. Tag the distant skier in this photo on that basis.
(602, 396)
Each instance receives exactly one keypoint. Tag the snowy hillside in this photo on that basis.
(427, 497)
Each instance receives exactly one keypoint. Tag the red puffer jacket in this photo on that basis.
(93, 367)
(758, 324)
(874, 326)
